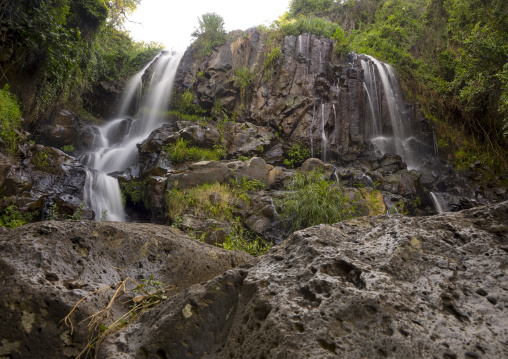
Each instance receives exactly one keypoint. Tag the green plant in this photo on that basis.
(136, 192)
(53, 212)
(180, 152)
(271, 62)
(310, 200)
(241, 239)
(208, 34)
(372, 197)
(68, 148)
(244, 158)
(12, 217)
(243, 80)
(296, 155)
(104, 215)
(42, 161)
(10, 120)
(76, 216)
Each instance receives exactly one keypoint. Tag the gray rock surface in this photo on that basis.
(389, 286)
(47, 267)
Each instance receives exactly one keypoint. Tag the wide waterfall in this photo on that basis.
(385, 97)
(115, 148)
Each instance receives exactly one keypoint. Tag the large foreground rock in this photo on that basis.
(47, 267)
(398, 287)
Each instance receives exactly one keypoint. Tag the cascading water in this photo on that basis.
(116, 150)
(324, 140)
(437, 203)
(398, 141)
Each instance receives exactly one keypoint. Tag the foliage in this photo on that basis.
(271, 62)
(136, 191)
(297, 7)
(68, 148)
(306, 24)
(296, 155)
(180, 152)
(53, 212)
(183, 104)
(241, 239)
(13, 218)
(208, 34)
(243, 80)
(310, 200)
(76, 216)
(10, 120)
(42, 161)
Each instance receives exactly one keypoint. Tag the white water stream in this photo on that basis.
(398, 141)
(116, 148)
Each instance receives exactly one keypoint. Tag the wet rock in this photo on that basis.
(314, 164)
(326, 289)
(40, 288)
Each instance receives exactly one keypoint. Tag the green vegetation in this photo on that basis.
(76, 216)
(180, 152)
(136, 192)
(311, 200)
(10, 120)
(240, 239)
(68, 148)
(451, 57)
(13, 218)
(61, 48)
(296, 155)
(271, 62)
(243, 80)
(183, 105)
(53, 212)
(43, 161)
(208, 34)
(213, 199)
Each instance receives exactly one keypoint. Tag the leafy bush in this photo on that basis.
(10, 120)
(297, 7)
(12, 217)
(296, 155)
(312, 200)
(209, 34)
(307, 24)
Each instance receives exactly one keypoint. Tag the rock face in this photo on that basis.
(40, 177)
(47, 267)
(389, 286)
(311, 95)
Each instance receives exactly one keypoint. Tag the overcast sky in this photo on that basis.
(172, 22)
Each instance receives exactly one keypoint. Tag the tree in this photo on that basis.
(209, 33)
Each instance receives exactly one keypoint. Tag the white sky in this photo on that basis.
(172, 22)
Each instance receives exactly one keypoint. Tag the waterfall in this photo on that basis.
(324, 140)
(437, 203)
(117, 148)
(399, 121)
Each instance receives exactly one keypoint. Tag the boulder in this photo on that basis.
(388, 286)
(199, 173)
(47, 267)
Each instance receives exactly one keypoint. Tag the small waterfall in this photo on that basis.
(437, 203)
(117, 149)
(324, 140)
(399, 121)
(312, 129)
(300, 44)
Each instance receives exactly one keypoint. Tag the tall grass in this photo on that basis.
(311, 200)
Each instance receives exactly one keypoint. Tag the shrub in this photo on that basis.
(10, 120)
(12, 217)
(296, 155)
(312, 200)
(136, 191)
